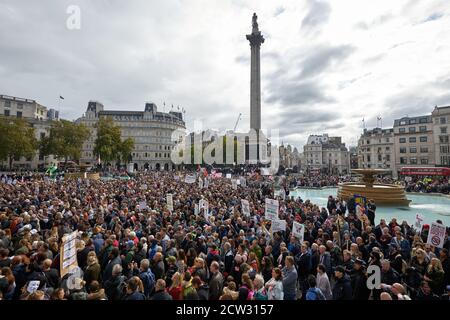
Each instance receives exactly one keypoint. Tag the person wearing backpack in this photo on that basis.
(147, 277)
(313, 292)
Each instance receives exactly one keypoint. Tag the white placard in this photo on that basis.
(196, 209)
(143, 205)
(169, 199)
(189, 179)
(265, 172)
(243, 181)
(278, 225)
(298, 230)
(200, 183)
(436, 235)
(271, 212)
(245, 207)
(206, 183)
(228, 176)
(234, 184)
(419, 222)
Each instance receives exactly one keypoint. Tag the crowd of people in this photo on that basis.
(131, 246)
(428, 185)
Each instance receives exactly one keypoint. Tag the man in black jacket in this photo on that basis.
(303, 261)
(160, 291)
(388, 274)
(342, 289)
(358, 280)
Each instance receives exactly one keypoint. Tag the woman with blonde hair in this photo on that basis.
(93, 269)
(435, 276)
(175, 289)
(420, 261)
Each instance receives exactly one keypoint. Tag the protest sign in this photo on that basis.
(189, 179)
(169, 199)
(245, 207)
(419, 222)
(278, 225)
(68, 253)
(436, 235)
(298, 230)
(271, 212)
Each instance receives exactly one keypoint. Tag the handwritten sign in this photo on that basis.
(271, 212)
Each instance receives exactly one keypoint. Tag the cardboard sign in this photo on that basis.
(436, 235)
(278, 225)
(298, 231)
(169, 199)
(271, 212)
(245, 207)
(68, 253)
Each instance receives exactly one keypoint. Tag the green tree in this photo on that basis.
(65, 140)
(108, 144)
(125, 148)
(17, 140)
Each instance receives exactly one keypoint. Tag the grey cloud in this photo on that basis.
(321, 58)
(279, 11)
(318, 13)
(433, 17)
(244, 59)
(297, 93)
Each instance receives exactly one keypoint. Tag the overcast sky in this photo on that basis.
(325, 64)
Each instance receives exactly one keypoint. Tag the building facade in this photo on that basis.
(151, 131)
(441, 130)
(326, 154)
(289, 157)
(376, 150)
(37, 116)
(413, 140)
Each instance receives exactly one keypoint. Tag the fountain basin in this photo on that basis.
(382, 194)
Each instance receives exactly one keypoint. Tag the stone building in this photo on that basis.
(441, 130)
(327, 155)
(413, 141)
(37, 116)
(151, 131)
(376, 150)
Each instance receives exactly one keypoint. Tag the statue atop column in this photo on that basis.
(255, 23)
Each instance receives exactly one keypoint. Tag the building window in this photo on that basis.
(403, 160)
(443, 139)
(413, 160)
(7, 104)
(402, 140)
(413, 150)
(19, 114)
(402, 130)
(423, 120)
(443, 120)
(445, 160)
(388, 148)
(387, 139)
(412, 129)
(368, 158)
(444, 130)
(19, 105)
(379, 157)
(402, 150)
(424, 161)
(388, 157)
(42, 135)
(423, 139)
(412, 139)
(445, 149)
(412, 121)
(7, 113)
(423, 149)
(423, 128)
(402, 123)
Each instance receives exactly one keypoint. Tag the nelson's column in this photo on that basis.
(255, 39)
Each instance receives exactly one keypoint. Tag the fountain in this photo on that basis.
(382, 194)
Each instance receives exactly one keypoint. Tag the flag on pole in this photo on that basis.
(61, 97)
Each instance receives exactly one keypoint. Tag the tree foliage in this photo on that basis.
(65, 140)
(17, 140)
(109, 145)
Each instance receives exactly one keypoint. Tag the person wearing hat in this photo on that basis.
(342, 289)
(358, 279)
